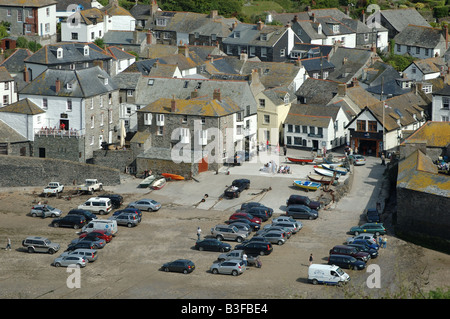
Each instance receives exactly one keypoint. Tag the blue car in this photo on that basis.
(366, 243)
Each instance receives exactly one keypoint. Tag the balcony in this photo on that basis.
(53, 132)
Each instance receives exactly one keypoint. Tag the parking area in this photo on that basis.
(129, 266)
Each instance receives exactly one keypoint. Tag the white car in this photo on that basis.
(359, 159)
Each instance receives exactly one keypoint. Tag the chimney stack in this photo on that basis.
(173, 105)
(216, 95)
(194, 94)
(213, 14)
(149, 37)
(260, 25)
(445, 29)
(57, 86)
(26, 75)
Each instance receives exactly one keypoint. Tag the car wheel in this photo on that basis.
(215, 271)
(30, 249)
(234, 273)
(239, 239)
(185, 271)
(149, 209)
(377, 234)
(222, 250)
(102, 212)
(261, 253)
(219, 237)
(315, 282)
(129, 225)
(200, 248)
(51, 251)
(53, 215)
(76, 226)
(57, 265)
(166, 269)
(280, 242)
(56, 225)
(33, 215)
(311, 218)
(356, 233)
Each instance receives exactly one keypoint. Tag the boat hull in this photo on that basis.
(320, 178)
(159, 183)
(173, 176)
(308, 185)
(302, 161)
(325, 172)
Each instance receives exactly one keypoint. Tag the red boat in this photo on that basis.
(302, 161)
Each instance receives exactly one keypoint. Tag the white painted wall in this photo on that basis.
(47, 17)
(438, 113)
(7, 88)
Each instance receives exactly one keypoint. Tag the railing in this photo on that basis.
(55, 132)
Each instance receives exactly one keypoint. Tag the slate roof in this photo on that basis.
(251, 36)
(420, 36)
(140, 11)
(85, 83)
(119, 54)
(15, 62)
(62, 5)
(430, 65)
(312, 50)
(318, 91)
(317, 64)
(124, 38)
(24, 106)
(277, 94)
(306, 15)
(312, 115)
(418, 172)
(73, 52)
(113, 9)
(4, 75)
(10, 135)
(127, 80)
(28, 3)
(401, 18)
(349, 62)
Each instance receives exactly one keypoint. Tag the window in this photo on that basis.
(290, 128)
(263, 37)
(185, 119)
(305, 129)
(366, 37)
(264, 52)
(160, 130)
(282, 52)
(128, 110)
(19, 15)
(110, 117)
(74, 36)
(297, 129)
(6, 85)
(312, 130)
(5, 100)
(196, 35)
(69, 105)
(288, 140)
(166, 35)
(361, 125)
(252, 51)
(92, 35)
(150, 82)
(28, 28)
(413, 70)
(203, 120)
(262, 103)
(8, 12)
(266, 119)
(372, 126)
(237, 34)
(446, 103)
(47, 11)
(427, 52)
(47, 28)
(101, 119)
(129, 92)
(44, 103)
(336, 28)
(445, 118)
(297, 141)
(92, 140)
(417, 50)
(92, 121)
(213, 37)
(398, 48)
(161, 22)
(148, 119)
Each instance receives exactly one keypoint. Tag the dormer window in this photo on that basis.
(335, 28)
(69, 86)
(86, 50)
(263, 37)
(319, 29)
(59, 53)
(161, 22)
(237, 34)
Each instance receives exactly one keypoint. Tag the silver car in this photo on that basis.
(287, 219)
(146, 204)
(233, 267)
(67, 261)
(228, 232)
(293, 227)
(274, 237)
(126, 219)
(45, 211)
(362, 236)
(88, 254)
(287, 232)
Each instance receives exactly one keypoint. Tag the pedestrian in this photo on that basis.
(380, 241)
(8, 244)
(356, 150)
(383, 159)
(384, 241)
(284, 150)
(244, 259)
(199, 233)
(311, 259)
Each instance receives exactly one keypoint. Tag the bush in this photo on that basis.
(440, 12)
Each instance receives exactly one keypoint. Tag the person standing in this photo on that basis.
(284, 149)
(383, 159)
(244, 259)
(199, 233)
(384, 241)
(311, 259)
(380, 241)
(8, 244)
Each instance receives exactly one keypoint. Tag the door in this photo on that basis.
(203, 165)
(41, 152)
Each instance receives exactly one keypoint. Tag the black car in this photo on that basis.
(254, 248)
(81, 212)
(116, 199)
(185, 266)
(254, 226)
(372, 215)
(301, 212)
(75, 221)
(347, 262)
(83, 244)
(259, 211)
(212, 244)
(237, 187)
(361, 247)
(303, 200)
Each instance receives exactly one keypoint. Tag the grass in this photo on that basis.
(259, 7)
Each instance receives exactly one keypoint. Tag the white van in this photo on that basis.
(101, 224)
(327, 274)
(97, 205)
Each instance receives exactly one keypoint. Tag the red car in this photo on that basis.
(247, 216)
(102, 234)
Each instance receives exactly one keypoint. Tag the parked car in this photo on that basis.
(373, 228)
(301, 212)
(248, 205)
(233, 267)
(253, 225)
(185, 266)
(126, 219)
(372, 215)
(97, 205)
(45, 211)
(82, 244)
(253, 248)
(212, 244)
(287, 232)
(97, 243)
(88, 254)
(70, 260)
(236, 188)
(116, 199)
(275, 237)
(303, 200)
(228, 232)
(102, 234)
(40, 245)
(243, 227)
(130, 210)
(149, 205)
(53, 188)
(347, 262)
(247, 216)
(367, 236)
(363, 247)
(260, 212)
(294, 227)
(350, 251)
(288, 219)
(75, 221)
(81, 212)
(327, 274)
(370, 244)
(357, 159)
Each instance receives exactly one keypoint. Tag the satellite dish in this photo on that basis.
(372, 8)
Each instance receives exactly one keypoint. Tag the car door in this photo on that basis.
(226, 267)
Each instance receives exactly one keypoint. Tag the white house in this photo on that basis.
(425, 69)
(8, 92)
(440, 110)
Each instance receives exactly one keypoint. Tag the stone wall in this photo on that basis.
(121, 160)
(16, 171)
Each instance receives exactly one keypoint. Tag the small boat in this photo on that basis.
(340, 170)
(320, 179)
(302, 161)
(173, 176)
(158, 183)
(147, 181)
(308, 185)
(326, 172)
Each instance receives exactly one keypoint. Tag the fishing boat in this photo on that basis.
(158, 183)
(173, 176)
(320, 179)
(307, 185)
(326, 172)
(147, 181)
(302, 161)
(340, 170)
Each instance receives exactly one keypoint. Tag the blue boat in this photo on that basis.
(340, 170)
(307, 185)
